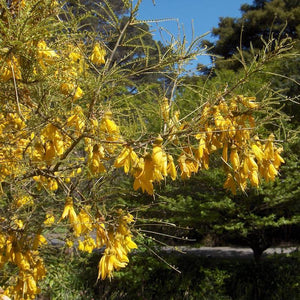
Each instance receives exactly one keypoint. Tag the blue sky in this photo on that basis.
(203, 14)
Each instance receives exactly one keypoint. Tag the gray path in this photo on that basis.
(227, 251)
(210, 251)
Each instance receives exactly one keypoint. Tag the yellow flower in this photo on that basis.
(21, 261)
(45, 54)
(75, 56)
(31, 285)
(39, 240)
(145, 177)
(187, 163)
(269, 148)
(129, 243)
(49, 219)
(66, 88)
(108, 263)
(101, 236)
(19, 223)
(69, 243)
(11, 69)
(95, 164)
(230, 184)
(277, 158)
(225, 152)
(24, 200)
(127, 158)
(159, 158)
(254, 178)
(98, 55)
(78, 93)
(171, 169)
(272, 172)
(69, 88)
(71, 214)
(85, 220)
(77, 120)
(234, 158)
(108, 125)
(87, 245)
(165, 109)
(257, 151)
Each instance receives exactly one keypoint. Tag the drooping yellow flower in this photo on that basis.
(10, 69)
(45, 54)
(107, 264)
(68, 210)
(187, 165)
(232, 131)
(75, 56)
(85, 220)
(129, 243)
(70, 213)
(67, 88)
(272, 172)
(98, 55)
(165, 109)
(201, 146)
(127, 159)
(108, 125)
(269, 148)
(78, 93)
(21, 261)
(257, 151)
(70, 89)
(278, 160)
(101, 237)
(31, 285)
(144, 174)
(249, 164)
(159, 158)
(171, 168)
(218, 119)
(230, 184)
(87, 245)
(225, 152)
(95, 156)
(77, 120)
(254, 178)
(234, 158)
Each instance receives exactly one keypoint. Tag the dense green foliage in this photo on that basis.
(277, 277)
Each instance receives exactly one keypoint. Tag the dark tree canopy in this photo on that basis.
(259, 20)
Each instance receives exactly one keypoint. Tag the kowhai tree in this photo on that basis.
(69, 124)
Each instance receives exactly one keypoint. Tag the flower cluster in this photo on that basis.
(118, 243)
(228, 128)
(22, 252)
(93, 234)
